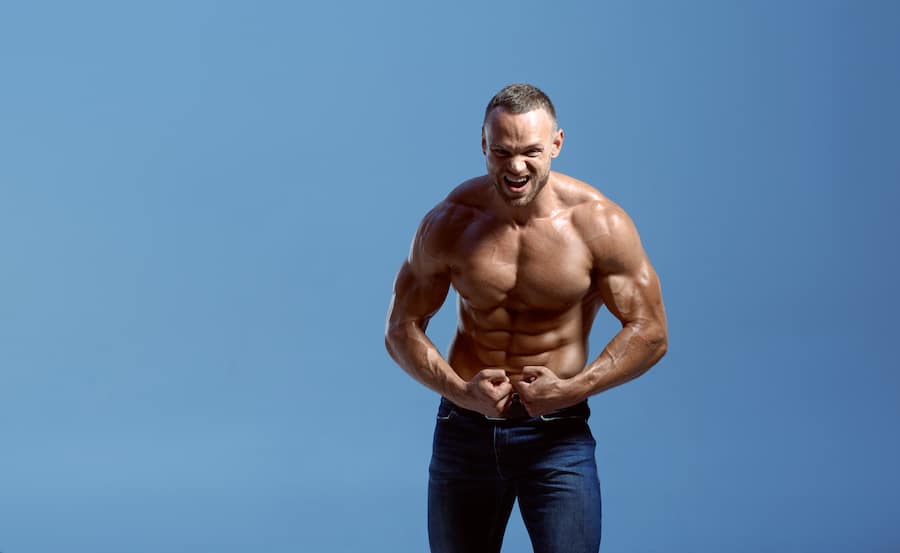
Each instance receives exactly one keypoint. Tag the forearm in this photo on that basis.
(411, 348)
(631, 353)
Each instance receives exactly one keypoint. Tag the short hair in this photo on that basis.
(520, 98)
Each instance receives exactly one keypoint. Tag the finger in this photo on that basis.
(503, 404)
(493, 375)
(529, 391)
(492, 389)
(501, 391)
(522, 384)
(530, 372)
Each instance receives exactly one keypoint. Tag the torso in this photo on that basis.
(526, 294)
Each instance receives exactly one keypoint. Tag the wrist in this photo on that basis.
(455, 390)
(578, 387)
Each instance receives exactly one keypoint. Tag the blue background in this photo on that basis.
(203, 206)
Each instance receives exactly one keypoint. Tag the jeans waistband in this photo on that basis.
(517, 413)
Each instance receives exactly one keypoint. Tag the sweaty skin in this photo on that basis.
(533, 255)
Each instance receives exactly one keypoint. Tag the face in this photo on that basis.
(518, 148)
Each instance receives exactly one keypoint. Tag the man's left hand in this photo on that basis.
(541, 391)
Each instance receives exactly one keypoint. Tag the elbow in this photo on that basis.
(655, 340)
(659, 341)
(390, 340)
(662, 348)
(387, 344)
(395, 336)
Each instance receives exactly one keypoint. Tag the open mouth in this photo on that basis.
(517, 184)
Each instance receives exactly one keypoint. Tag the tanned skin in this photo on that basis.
(533, 255)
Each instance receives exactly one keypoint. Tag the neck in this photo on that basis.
(543, 205)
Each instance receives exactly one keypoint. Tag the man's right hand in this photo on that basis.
(489, 393)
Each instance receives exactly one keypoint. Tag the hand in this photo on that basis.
(489, 392)
(541, 391)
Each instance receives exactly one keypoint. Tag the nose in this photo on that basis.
(517, 165)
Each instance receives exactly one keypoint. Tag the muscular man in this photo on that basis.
(533, 255)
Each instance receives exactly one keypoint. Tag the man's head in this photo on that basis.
(519, 137)
(521, 98)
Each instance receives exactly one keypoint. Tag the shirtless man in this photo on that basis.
(533, 255)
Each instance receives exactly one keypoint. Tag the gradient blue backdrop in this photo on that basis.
(203, 205)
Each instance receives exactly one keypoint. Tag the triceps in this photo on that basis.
(415, 300)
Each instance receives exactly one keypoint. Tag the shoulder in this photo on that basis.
(461, 207)
(591, 210)
(607, 230)
(445, 222)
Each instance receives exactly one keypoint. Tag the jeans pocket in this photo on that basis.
(445, 411)
(579, 411)
(551, 417)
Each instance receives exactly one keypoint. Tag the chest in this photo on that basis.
(544, 266)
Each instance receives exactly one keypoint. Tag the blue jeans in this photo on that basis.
(479, 466)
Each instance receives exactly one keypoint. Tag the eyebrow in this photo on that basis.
(530, 147)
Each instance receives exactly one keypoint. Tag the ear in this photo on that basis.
(557, 143)
(483, 142)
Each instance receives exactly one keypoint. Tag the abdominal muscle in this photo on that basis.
(555, 341)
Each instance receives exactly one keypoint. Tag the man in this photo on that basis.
(533, 255)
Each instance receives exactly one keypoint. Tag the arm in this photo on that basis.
(416, 298)
(419, 291)
(628, 285)
(630, 289)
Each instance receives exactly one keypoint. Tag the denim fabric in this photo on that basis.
(480, 466)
